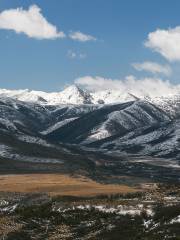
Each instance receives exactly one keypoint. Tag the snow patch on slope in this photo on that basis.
(58, 125)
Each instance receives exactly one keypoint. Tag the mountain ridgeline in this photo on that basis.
(134, 127)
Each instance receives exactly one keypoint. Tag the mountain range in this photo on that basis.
(47, 128)
(71, 95)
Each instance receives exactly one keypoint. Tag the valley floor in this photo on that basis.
(59, 184)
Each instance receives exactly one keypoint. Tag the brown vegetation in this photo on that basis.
(58, 184)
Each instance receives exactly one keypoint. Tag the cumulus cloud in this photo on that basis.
(30, 22)
(165, 42)
(81, 37)
(153, 67)
(152, 87)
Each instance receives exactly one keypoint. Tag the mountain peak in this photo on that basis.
(73, 88)
(75, 95)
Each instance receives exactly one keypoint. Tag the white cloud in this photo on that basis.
(153, 67)
(30, 22)
(152, 87)
(81, 37)
(165, 42)
(74, 55)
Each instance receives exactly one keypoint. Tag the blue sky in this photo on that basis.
(120, 27)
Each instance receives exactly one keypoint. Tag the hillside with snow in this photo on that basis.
(105, 121)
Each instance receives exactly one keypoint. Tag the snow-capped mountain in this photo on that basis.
(170, 104)
(111, 96)
(77, 96)
(71, 95)
(145, 126)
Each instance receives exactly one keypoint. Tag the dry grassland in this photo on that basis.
(58, 184)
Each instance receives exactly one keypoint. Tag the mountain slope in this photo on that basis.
(135, 127)
(108, 121)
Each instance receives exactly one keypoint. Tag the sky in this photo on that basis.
(49, 44)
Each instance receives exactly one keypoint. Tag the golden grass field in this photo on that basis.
(58, 184)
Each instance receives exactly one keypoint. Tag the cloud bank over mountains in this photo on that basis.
(146, 86)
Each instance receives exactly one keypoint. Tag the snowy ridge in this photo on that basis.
(132, 117)
(75, 95)
(58, 125)
(71, 95)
